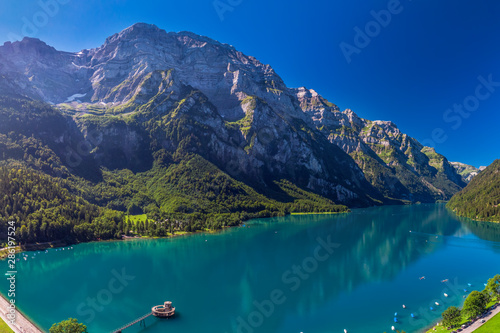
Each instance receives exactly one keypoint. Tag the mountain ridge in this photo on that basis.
(146, 91)
(466, 171)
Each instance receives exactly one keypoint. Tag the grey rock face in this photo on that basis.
(466, 171)
(398, 165)
(248, 122)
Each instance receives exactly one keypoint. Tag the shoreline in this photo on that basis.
(320, 213)
(22, 323)
(477, 324)
(61, 243)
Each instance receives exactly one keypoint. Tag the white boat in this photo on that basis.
(404, 306)
(436, 303)
(445, 295)
(393, 328)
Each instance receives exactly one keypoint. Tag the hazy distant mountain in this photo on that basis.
(466, 171)
(149, 99)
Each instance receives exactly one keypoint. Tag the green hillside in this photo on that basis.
(44, 210)
(480, 199)
(57, 188)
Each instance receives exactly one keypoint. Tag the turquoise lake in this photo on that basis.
(303, 273)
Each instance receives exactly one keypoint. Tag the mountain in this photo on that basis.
(480, 199)
(394, 163)
(167, 123)
(466, 171)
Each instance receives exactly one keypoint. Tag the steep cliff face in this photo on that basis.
(34, 69)
(147, 93)
(396, 164)
(262, 147)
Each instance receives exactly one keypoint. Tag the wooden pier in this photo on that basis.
(132, 323)
(162, 311)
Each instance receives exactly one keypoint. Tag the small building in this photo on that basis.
(163, 311)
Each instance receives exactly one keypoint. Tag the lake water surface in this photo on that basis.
(305, 273)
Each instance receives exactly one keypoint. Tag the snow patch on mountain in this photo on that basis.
(73, 97)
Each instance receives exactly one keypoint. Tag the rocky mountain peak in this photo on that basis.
(28, 47)
(181, 90)
(388, 127)
(138, 31)
(112, 72)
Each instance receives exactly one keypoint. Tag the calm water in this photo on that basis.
(311, 274)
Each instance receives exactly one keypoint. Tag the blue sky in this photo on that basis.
(425, 65)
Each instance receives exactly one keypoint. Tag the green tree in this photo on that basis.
(487, 297)
(475, 304)
(70, 325)
(23, 234)
(493, 286)
(452, 316)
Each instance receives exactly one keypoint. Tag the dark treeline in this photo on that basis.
(44, 210)
(47, 209)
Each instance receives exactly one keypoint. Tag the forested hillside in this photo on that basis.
(47, 209)
(480, 199)
(54, 191)
(44, 210)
